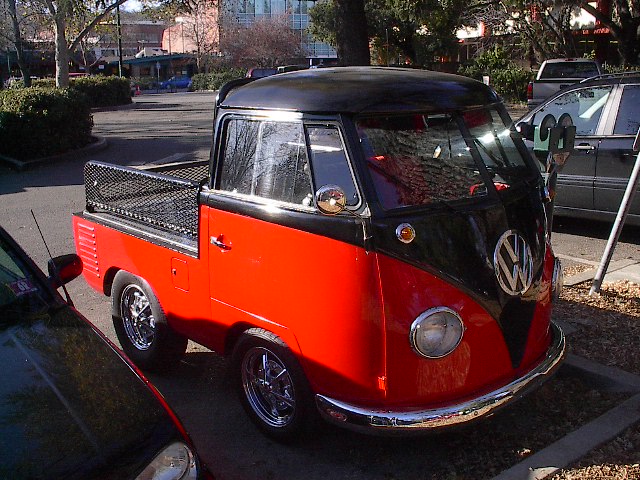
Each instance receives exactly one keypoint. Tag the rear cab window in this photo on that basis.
(425, 159)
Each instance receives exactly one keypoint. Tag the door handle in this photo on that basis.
(217, 241)
(586, 147)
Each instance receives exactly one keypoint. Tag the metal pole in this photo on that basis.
(618, 224)
(119, 34)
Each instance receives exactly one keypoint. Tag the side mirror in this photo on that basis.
(63, 269)
(331, 199)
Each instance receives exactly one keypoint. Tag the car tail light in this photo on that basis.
(530, 91)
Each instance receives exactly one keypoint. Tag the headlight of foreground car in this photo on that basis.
(176, 462)
(436, 332)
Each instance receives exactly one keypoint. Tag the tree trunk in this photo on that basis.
(351, 33)
(17, 41)
(62, 54)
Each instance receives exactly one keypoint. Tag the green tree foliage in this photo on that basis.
(401, 31)
(624, 23)
(509, 80)
(544, 26)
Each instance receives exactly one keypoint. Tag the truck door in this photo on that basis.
(275, 261)
(616, 157)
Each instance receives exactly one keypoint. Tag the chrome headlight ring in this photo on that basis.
(436, 333)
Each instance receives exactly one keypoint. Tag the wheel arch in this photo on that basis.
(114, 272)
(286, 335)
(109, 276)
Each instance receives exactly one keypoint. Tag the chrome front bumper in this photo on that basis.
(410, 420)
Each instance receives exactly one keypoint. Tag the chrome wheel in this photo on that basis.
(268, 387)
(137, 317)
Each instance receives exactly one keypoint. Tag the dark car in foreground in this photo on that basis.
(71, 406)
(606, 112)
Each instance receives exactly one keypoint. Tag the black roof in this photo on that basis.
(361, 90)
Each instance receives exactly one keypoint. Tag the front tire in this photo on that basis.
(272, 386)
(141, 325)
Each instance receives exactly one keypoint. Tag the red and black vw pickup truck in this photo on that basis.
(367, 245)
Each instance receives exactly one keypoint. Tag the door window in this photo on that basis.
(585, 107)
(266, 159)
(628, 119)
(329, 160)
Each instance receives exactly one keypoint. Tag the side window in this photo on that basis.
(266, 159)
(628, 119)
(585, 107)
(329, 160)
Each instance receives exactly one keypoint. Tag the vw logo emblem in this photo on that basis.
(513, 263)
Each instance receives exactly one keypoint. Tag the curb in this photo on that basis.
(99, 144)
(575, 445)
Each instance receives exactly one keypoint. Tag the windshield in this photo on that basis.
(424, 159)
(20, 291)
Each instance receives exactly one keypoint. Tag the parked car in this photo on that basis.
(71, 405)
(558, 73)
(606, 112)
(176, 82)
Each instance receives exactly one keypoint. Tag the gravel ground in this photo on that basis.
(608, 331)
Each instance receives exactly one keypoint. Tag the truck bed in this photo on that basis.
(161, 203)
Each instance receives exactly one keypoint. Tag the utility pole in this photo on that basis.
(119, 34)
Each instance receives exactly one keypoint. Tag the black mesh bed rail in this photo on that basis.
(165, 202)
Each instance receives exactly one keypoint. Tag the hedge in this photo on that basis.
(39, 122)
(101, 91)
(214, 80)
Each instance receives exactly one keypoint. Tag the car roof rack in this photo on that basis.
(612, 75)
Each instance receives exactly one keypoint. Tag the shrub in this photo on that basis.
(39, 122)
(606, 68)
(508, 79)
(214, 80)
(145, 83)
(103, 91)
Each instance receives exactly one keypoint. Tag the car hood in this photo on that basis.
(70, 407)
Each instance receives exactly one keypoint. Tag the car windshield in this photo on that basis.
(21, 293)
(424, 159)
(570, 70)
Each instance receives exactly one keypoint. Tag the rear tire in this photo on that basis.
(141, 325)
(272, 386)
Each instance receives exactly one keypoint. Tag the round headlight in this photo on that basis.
(436, 332)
